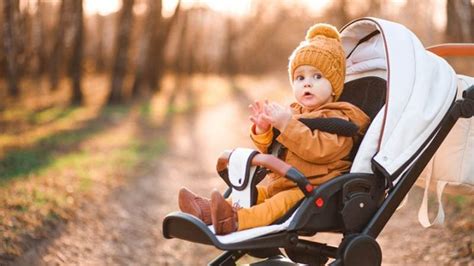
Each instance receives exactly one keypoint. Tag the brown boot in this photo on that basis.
(224, 216)
(193, 204)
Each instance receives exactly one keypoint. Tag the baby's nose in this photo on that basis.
(308, 85)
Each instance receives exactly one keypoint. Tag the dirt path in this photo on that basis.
(125, 229)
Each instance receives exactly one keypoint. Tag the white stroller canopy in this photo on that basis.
(420, 89)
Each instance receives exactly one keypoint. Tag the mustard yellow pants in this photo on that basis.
(267, 210)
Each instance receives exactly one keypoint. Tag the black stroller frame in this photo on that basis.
(358, 205)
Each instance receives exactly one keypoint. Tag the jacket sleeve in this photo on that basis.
(261, 141)
(317, 147)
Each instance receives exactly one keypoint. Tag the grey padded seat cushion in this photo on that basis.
(367, 93)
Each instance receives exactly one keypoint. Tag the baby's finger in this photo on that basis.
(268, 110)
(261, 106)
(267, 118)
(265, 103)
(253, 109)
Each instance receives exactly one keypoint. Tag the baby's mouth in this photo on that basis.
(307, 94)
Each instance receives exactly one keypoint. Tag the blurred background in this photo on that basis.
(133, 44)
(102, 103)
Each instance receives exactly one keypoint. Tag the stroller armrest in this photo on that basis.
(273, 164)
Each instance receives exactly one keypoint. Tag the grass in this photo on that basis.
(45, 181)
(49, 115)
(145, 110)
(460, 202)
(57, 146)
(85, 182)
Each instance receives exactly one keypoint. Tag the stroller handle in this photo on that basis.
(452, 49)
(266, 160)
(273, 164)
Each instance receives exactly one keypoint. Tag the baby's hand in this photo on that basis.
(279, 115)
(259, 117)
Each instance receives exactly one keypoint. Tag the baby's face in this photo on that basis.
(310, 87)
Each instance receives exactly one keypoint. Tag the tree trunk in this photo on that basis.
(39, 40)
(121, 52)
(57, 51)
(459, 19)
(472, 22)
(99, 56)
(153, 16)
(229, 64)
(180, 59)
(375, 7)
(76, 58)
(160, 36)
(343, 14)
(9, 12)
(24, 39)
(181, 63)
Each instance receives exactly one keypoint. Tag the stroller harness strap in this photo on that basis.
(330, 125)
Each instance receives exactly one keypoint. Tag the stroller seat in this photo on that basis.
(357, 204)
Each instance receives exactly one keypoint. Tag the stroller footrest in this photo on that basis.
(187, 227)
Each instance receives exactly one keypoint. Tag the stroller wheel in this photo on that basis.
(361, 250)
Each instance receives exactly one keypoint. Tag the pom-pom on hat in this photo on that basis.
(323, 50)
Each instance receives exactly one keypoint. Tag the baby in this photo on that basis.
(316, 71)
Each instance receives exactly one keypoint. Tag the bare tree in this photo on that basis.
(75, 70)
(259, 45)
(340, 12)
(181, 63)
(151, 22)
(99, 51)
(192, 40)
(24, 51)
(57, 50)
(472, 22)
(160, 36)
(39, 39)
(122, 43)
(375, 7)
(10, 11)
(460, 21)
(229, 64)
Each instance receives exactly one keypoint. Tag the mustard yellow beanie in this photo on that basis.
(323, 50)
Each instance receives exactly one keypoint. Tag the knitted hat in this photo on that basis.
(323, 50)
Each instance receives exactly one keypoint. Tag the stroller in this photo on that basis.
(412, 98)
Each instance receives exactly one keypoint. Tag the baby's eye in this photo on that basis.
(299, 78)
(317, 76)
